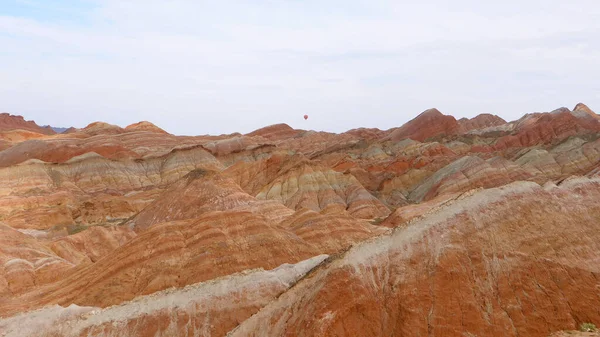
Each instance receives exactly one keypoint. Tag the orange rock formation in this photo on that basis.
(439, 227)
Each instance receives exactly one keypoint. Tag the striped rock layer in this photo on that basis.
(438, 227)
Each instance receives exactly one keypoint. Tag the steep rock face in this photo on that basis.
(429, 123)
(511, 261)
(11, 122)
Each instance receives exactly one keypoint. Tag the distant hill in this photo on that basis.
(16, 122)
(56, 129)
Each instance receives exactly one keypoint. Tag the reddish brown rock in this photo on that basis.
(428, 124)
(512, 261)
(314, 187)
(144, 126)
(575, 334)
(102, 215)
(16, 136)
(546, 128)
(480, 122)
(275, 132)
(584, 111)
(210, 308)
(10, 122)
(31, 259)
(367, 133)
(97, 128)
(204, 226)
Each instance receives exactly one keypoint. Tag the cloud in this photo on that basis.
(197, 67)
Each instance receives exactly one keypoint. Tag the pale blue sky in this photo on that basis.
(197, 67)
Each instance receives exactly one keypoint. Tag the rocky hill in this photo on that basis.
(10, 122)
(439, 227)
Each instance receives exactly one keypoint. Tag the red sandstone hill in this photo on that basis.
(429, 123)
(12, 122)
(439, 227)
(480, 122)
(275, 132)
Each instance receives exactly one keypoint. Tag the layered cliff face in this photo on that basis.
(439, 227)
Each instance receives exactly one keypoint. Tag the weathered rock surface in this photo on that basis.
(510, 261)
(28, 262)
(206, 309)
(439, 227)
(428, 124)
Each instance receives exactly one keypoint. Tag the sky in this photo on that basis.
(212, 67)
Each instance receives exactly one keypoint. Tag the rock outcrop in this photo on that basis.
(11, 122)
(430, 123)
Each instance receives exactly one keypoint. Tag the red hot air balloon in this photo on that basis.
(305, 117)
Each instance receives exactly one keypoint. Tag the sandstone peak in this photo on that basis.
(430, 123)
(481, 121)
(583, 107)
(102, 128)
(582, 110)
(275, 132)
(144, 126)
(432, 112)
(99, 125)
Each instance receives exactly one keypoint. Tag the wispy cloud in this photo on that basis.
(212, 67)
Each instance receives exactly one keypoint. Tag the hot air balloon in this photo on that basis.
(305, 117)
